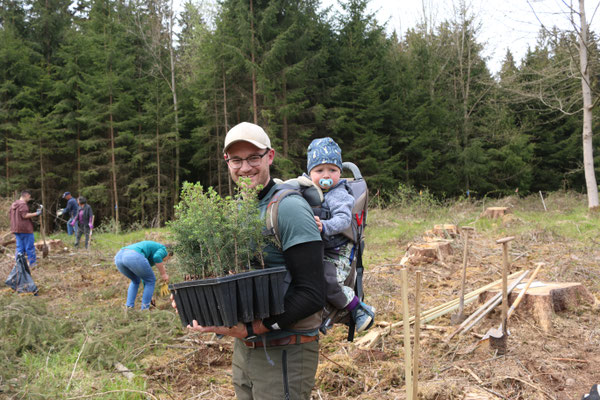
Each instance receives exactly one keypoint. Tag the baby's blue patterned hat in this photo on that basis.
(323, 151)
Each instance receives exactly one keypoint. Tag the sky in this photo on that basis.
(504, 24)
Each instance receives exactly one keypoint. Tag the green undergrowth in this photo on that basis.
(47, 352)
(109, 241)
(566, 217)
(39, 348)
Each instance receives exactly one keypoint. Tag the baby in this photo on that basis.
(324, 166)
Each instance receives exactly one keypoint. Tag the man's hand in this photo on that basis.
(173, 304)
(319, 223)
(38, 212)
(239, 331)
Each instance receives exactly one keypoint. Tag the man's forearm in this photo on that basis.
(306, 295)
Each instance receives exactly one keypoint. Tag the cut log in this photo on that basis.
(445, 230)
(430, 251)
(477, 394)
(543, 299)
(495, 212)
(54, 245)
(7, 238)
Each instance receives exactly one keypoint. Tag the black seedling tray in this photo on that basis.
(230, 299)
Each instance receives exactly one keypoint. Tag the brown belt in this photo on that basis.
(284, 341)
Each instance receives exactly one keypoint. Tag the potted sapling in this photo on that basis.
(218, 243)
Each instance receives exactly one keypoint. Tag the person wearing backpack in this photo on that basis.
(277, 357)
(324, 166)
(84, 219)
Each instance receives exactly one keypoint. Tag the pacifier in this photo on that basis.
(325, 182)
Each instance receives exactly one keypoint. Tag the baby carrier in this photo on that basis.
(355, 233)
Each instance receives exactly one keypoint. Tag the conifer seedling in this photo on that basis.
(217, 236)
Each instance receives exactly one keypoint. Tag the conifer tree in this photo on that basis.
(291, 34)
(359, 106)
(107, 104)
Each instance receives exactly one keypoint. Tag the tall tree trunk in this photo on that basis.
(78, 159)
(219, 189)
(42, 227)
(286, 145)
(113, 164)
(141, 171)
(252, 50)
(175, 107)
(225, 122)
(6, 161)
(588, 151)
(157, 158)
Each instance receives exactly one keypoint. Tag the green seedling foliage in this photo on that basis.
(216, 236)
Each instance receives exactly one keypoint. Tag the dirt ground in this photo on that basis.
(562, 363)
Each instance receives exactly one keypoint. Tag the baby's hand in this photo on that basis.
(319, 223)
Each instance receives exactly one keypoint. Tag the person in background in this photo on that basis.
(22, 226)
(277, 357)
(135, 262)
(70, 212)
(84, 219)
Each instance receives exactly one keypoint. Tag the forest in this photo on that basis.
(123, 100)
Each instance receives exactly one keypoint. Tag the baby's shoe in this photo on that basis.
(363, 316)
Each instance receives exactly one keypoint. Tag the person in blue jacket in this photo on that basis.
(70, 212)
(135, 262)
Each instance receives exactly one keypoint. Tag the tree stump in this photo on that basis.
(495, 212)
(430, 251)
(540, 303)
(445, 230)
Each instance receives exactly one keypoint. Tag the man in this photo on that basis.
(84, 220)
(22, 227)
(277, 358)
(69, 212)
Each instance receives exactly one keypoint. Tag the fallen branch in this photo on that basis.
(539, 389)
(76, 361)
(484, 309)
(470, 372)
(569, 359)
(372, 338)
(113, 391)
(125, 371)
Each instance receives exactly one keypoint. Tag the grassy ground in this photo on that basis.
(64, 343)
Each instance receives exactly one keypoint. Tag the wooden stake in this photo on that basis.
(407, 352)
(460, 316)
(543, 202)
(505, 268)
(416, 352)
(515, 304)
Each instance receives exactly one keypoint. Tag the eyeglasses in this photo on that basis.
(253, 161)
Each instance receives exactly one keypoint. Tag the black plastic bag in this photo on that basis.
(593, 395)
(20, 278)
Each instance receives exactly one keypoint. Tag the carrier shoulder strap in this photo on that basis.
(272, 211)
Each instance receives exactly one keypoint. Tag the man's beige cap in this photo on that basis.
(247, 132)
